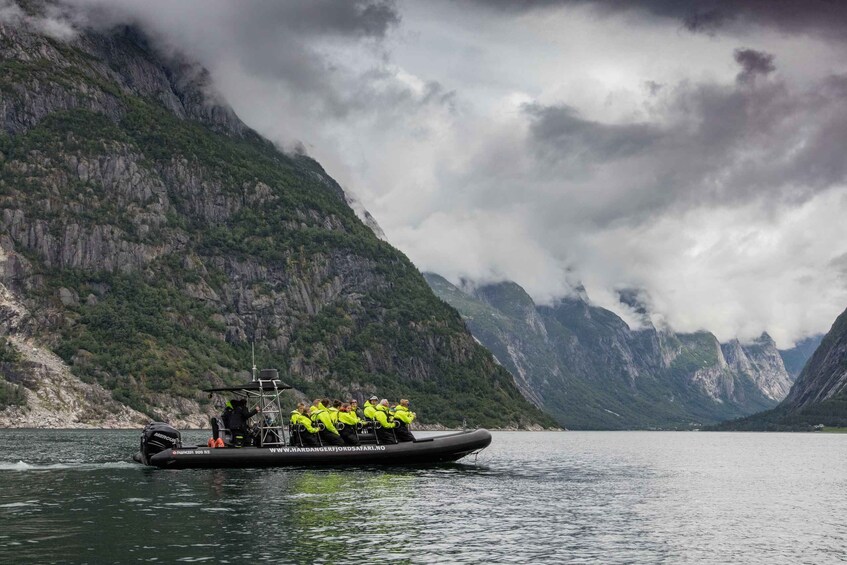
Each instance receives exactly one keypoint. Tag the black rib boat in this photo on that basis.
(161, 444)
(431, 450)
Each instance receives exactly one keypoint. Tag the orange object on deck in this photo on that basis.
(219, 442)
(211, 442)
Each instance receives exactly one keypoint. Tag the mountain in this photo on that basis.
(795, 358)
(821, 389)
(585, 366)
(148, 236)
(818, 396)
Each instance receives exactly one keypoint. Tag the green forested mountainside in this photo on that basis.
(818, 396)
(585, 366)
(152, 237)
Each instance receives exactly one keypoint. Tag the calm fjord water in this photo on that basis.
(576, 497)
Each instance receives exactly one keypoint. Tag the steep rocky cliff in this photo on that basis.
(762, 363)
(818, 396)
(588, 368)
(147, 236)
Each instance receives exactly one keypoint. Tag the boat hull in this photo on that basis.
(438, 449)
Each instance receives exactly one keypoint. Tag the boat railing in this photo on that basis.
(270, 426)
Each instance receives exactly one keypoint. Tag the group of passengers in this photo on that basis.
(339, 423)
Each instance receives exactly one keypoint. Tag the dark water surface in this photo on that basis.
(575, 497)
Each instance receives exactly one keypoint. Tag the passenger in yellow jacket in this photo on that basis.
(348, 421)
(370, 408)
(385, 424)
(329, 434)
(333, 410)
(307, 436)
(403, 417)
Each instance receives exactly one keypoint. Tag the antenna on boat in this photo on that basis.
(253, 352)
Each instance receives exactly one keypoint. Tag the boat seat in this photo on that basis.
(365, 432)
(375, 426)
(295, 437)
(219, 431)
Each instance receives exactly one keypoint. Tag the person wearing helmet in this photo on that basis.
(227, 413)
(370, 408)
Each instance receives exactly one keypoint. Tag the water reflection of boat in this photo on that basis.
(161, 445)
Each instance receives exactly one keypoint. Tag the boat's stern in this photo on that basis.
(157, 437)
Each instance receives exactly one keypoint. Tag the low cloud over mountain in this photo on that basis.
(691, 150)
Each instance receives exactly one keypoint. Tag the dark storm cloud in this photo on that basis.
(753, 63)
(558, 132)
(370, 18)
(708, 16)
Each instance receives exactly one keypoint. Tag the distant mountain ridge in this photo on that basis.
(796, 358)
(585, 366)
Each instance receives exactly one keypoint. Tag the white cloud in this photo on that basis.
(734, 271)
(52, 22)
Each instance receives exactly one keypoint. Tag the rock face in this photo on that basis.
(818, 396)
(584, 364)
(762, 363)
(52, 396)
(147, 237)
(821, 389)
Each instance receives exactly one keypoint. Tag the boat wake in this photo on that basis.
(24, 466)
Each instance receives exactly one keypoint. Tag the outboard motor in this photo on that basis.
(156, 437)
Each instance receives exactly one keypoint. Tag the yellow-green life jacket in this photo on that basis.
(298, 419)
(404, 414)
(322, 415)
(381, 416)
(369, 410)
(348, 418)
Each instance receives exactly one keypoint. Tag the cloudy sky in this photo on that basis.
(694, 151)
